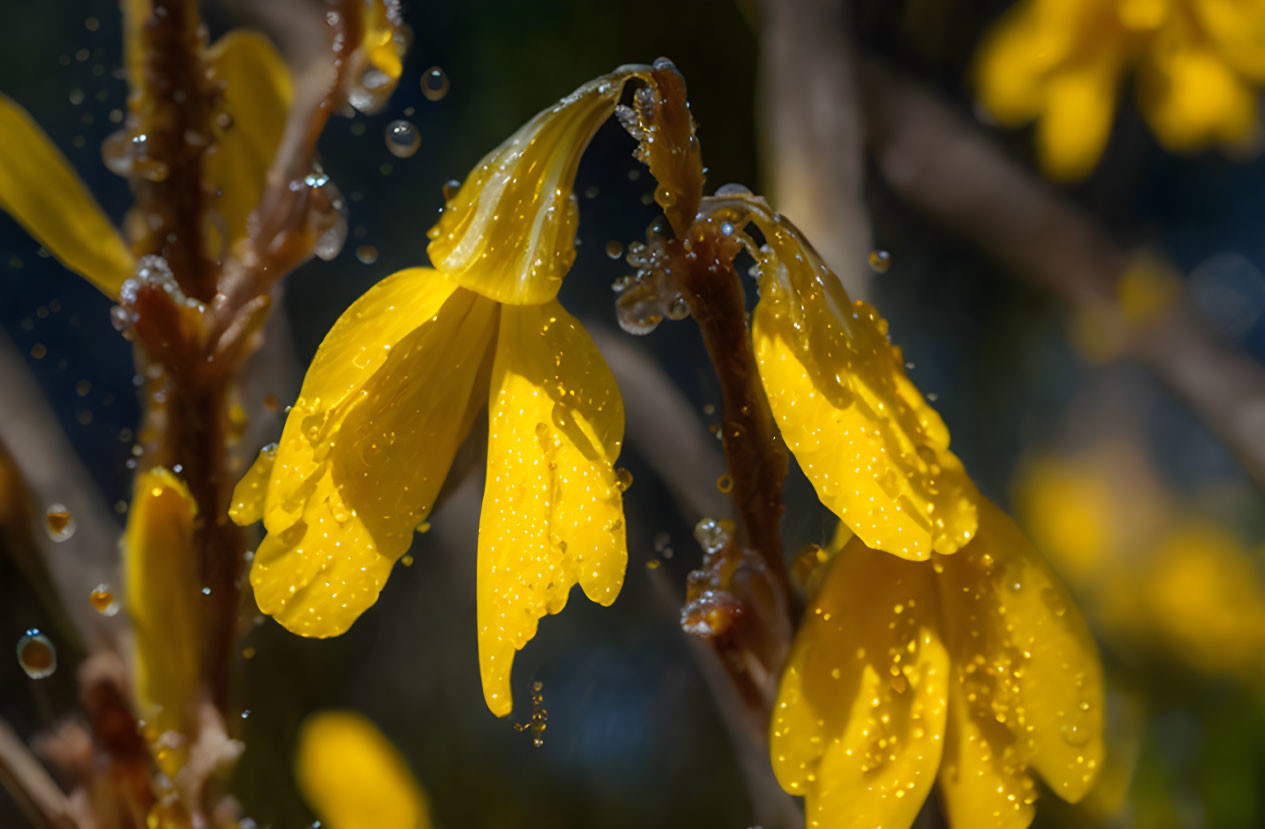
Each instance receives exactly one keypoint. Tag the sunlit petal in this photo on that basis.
(257, 93)
(162, 597)
(1193, 99)
(552, 513)
(1077, 115)
(1026, 667)
(860, 714)
(509, 233)
(384, 407)
(877, 454)
(354, 778)
(40, 189)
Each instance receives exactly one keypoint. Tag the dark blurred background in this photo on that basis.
(633, 738)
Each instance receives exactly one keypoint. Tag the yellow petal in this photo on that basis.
(40, 189)
(1192, 98)
(509, 233)
(552, 512)
(859, 717)
(1016, 57)
(247, 505)
(984, 779)
(354, 778)
(257, 95)
(354, 350)
(384, 407)
(1026, 667)
(135, 13)
(1076, 120)
(877, 454)
(162, 595)
(1237, 27)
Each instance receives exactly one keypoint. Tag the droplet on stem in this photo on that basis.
(59, 523)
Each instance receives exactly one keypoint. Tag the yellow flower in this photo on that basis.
(974, 670)
(353, 778)
(1062, 62)
(162, 600)
(876, 453)
(396, 385)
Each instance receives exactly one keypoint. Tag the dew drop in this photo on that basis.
(403, 138)
(710, 535)
(102, 600)
(435, 83)
(406, 560)
(614, 249)
(623, 479)
(59, 523)
(367, 254)
(880, 261)
(725, 483)
(36, 654)
(450, 189)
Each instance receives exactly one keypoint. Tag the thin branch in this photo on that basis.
(949, 169)
(40, 799)
(813, 140)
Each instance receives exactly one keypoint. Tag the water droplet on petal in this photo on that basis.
(36, 654)
(623, 479)
(403, 138)
(710, 535)
(59, 523)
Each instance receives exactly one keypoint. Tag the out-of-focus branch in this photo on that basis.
(814, 131)
(944, 166)
(53, 473)
(40, 799)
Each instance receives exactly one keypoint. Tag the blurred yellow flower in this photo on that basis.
(972, 670)
(876, 453)
(1061, 63)
(393, 391)
(162, 602)
(352, 777)
(1152, 573)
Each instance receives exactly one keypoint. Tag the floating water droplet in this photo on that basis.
(435, 83)
(36, 654)
(725, 483)
(652, 564)
(880, 261)
(710, 535)
(39, 351)
(248, 652)
(614, 249)
(623, 479)
(451, 186)
(59, 523)
(591, 192)
(367, 254)
(406, 560)
(102, 600)
(403, 138)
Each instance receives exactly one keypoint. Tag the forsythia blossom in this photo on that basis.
(972, 670)
(397, 383)
(1062, 63)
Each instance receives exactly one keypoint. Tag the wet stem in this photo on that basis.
(751, 565)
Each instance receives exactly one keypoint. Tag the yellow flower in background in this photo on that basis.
(396, 385)
(1062, 63)
(876, 453)
(162, 601)
(973, 671)
(1153, 573)
(352, 777)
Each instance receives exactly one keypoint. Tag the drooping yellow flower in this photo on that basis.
(876, 453)
(162, 601)
(393, 391)
(1062, 63)
(354, 778)
(973, 670)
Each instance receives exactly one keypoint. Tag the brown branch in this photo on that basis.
(813, 131)
(39, 798)
(949, 169)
